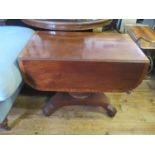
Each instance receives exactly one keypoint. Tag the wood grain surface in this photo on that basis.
(82, 62)
(144, 32)
(83, 46)
(69, 25)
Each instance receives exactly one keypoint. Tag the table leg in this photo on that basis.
(4, 125)
(65, 99)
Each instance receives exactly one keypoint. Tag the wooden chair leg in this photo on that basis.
(4, 125)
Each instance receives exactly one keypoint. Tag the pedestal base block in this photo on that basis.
(66, 99)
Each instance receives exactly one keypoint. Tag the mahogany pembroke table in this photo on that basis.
(80, 66)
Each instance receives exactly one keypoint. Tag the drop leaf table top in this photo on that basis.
(82, 62)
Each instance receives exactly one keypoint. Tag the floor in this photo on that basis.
(136, 115)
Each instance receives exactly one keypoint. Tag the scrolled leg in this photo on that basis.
(110, 110)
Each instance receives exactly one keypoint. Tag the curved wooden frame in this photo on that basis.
(67, 26)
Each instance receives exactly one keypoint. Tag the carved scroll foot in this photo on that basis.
(110, 110)
(48, 109)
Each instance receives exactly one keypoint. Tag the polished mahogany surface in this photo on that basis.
(143, 35)
(83, 46)
(67, 24)
(82, 62)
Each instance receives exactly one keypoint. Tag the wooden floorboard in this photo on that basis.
(136, 115)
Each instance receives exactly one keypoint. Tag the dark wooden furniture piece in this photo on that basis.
(144, 36)
(83, 62)
(67, 24)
